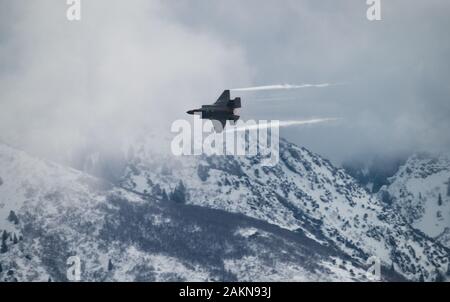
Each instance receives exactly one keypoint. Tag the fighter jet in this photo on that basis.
(223, 110)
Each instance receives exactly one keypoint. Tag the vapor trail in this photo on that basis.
(281, 124)
(271, 99)
(282, 86)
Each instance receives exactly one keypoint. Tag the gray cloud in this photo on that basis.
(129, 65)
(396, 71)
(124, 68)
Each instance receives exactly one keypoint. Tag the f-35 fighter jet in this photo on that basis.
(223, 110)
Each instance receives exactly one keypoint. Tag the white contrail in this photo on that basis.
(271, 99)
(282, 86)
(281, 124)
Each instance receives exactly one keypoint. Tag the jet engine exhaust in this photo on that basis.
(283, 86)
(282, 124)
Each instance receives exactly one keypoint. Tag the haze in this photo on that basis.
(130, 66)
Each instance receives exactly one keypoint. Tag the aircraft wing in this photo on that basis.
(219, 125)
(223, 98)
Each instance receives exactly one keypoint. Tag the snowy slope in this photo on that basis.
(303, 192)
(121, 236)
(420, 190)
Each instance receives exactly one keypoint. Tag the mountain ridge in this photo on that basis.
(303, 194)
(120, 236)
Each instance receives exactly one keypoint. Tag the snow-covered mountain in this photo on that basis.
(304, 193)
(420, 191)
(50, 212)
(202, 218)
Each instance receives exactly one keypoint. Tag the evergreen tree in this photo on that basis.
(179, 194)
(110, 265)
(448, 187)
(440, 200)
(421, 279)
(4, 236)
(156, 190)
(1, 268)
(15, 240)
(386, 197)
(4, 247)
(13, 217)
(164, 195)
(203, 172)
(439, 277)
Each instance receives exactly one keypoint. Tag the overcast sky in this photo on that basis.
(129, 65)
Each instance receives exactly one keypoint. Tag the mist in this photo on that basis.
(395, 97)
(126, 69)
(132, 67)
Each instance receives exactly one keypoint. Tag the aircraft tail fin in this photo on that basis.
(224, 97)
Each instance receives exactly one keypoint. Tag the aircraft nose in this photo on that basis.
(190, 112)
